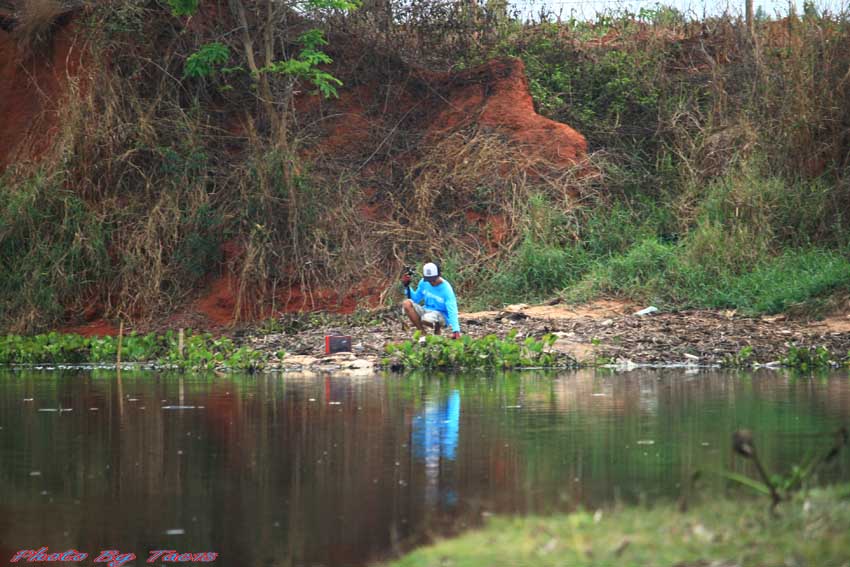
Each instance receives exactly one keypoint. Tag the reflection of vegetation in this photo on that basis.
(199, 351)
(486, 352)
(718, 531)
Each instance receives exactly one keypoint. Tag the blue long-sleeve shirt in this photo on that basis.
(437, 298)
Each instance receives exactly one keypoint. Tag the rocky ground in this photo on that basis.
(604, 331)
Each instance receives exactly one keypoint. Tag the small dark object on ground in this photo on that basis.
(337, 343)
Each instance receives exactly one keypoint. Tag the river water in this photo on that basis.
(334, 470)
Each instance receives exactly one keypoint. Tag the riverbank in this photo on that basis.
(812, 529)
(598, 333)
(555, 335)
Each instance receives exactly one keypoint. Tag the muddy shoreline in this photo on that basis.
(604, 332)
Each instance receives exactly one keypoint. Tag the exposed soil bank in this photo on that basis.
(599, 332)
(813, 529)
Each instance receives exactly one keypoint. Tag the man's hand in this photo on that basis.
(456, 335)
(405, 280)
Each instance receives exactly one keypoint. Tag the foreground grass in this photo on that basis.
(813, 529)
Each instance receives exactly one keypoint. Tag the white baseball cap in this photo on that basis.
(429, 270)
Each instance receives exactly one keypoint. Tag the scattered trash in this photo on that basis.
(646, 311)
(646, 442)
(176, 531)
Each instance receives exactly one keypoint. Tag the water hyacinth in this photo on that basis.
(466, 352)
(200, 351)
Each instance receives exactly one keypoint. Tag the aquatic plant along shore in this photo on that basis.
(553, 336)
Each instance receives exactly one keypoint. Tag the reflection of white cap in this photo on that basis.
(429, 270)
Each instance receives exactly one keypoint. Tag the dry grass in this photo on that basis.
(148, 153)
(37, 21)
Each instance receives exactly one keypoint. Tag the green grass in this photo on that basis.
(813, 529)
(666, 274)
(791, 278)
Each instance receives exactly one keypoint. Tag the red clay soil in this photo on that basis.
(31, 93)
(97, 328)
(493, 96)
(496, 95)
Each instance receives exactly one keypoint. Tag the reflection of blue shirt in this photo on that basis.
(437, 298)
(435, 431)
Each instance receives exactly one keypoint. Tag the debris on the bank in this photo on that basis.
(647, 311)
(620, 341)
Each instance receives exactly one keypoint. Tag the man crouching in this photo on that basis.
(440, 309)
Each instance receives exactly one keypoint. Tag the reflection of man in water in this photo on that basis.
(435, 433)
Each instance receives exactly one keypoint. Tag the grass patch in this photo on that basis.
(789, 279)
(812, 529)
(536, 270)
(667, 274)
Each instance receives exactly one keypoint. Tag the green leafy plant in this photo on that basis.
(306, 64)
(808, 358)
(466, 352)
(205, 61)
(183, 7)
(741, 359)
